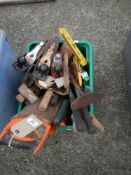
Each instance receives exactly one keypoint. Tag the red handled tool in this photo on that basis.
(49, 129)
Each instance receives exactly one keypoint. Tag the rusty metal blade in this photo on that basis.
(86, 99)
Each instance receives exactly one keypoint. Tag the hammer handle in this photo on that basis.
(46, 100)
(27, 93)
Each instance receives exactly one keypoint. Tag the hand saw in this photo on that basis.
(49, 129)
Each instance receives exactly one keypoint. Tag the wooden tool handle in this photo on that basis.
(20, 98)
(65, 49)
(46, 100)
(75, 84)
(97, 123)
(66, 71)
(27, 93)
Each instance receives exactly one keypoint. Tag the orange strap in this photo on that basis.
(50, 129)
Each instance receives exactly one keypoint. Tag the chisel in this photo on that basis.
(79, 122)
(62, 112)
(85, 113)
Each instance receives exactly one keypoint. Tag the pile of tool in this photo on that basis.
(54, 92)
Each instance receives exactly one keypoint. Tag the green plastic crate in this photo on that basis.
(87, 50)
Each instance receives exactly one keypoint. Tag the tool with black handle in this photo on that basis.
(85, 113)
(62, 112)
(79, 122)
(95, 121)
(54, 99)
(18, 143)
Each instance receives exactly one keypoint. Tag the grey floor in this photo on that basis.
(106, 24)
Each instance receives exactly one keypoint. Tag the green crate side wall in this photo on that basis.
(83, 46)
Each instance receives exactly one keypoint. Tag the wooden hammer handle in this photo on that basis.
(46, 100)
(27, 93)
(97, 123)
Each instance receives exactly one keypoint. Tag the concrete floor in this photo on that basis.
(106, 23)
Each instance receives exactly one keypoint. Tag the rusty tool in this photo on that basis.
(84, 99)
(84, 110)
(85, 115)
(66, 70)
(47, 115)
(65, 49)
(25, 61)
(76, 114)
(95, 121)
(77, 69)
